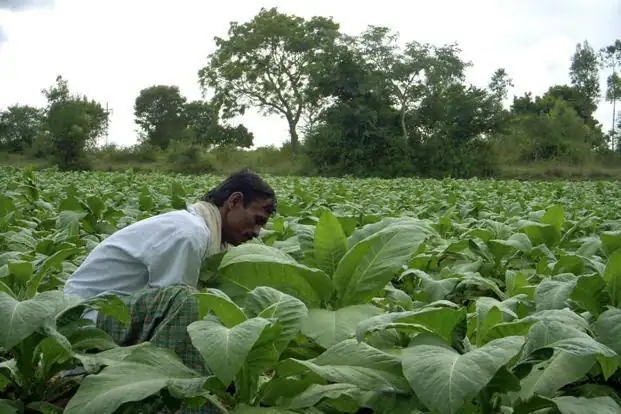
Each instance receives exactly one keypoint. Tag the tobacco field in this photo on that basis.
(362, 296)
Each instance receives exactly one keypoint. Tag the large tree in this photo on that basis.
(584, 72)
(356, 134)
(611, 59)
(412, 71)
(266, 63)
(73, 124)
(19, 125)
(204, 127)
(159, 111)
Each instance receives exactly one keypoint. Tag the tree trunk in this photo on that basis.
(614, 119)
(404, 128)
(293, 133)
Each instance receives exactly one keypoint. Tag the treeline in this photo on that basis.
(361, 105)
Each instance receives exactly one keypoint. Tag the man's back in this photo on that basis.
(154, 252)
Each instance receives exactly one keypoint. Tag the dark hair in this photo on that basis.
(246, 182)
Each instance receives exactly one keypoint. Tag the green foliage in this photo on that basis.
(159, 111)
(558, 134)
(19, 127)
(410, 73)
(73, 124)
(166, 117)
(359, 133)
(186, 159)
(266, 63)
(584, 71)
(390, 296)
(367, 105)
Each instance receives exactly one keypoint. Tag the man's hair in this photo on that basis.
(246, 182)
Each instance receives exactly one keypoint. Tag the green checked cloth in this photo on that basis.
(161, 316)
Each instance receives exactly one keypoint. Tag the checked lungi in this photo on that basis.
(161, 316)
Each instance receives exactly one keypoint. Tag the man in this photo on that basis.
(154, 264)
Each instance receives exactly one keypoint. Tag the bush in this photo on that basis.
(191, 159)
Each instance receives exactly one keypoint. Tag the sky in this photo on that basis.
(111, 49)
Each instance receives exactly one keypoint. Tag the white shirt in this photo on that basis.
(158, 251)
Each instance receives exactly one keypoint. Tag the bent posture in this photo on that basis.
(154, 264)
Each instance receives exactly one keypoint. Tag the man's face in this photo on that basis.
(239, 223)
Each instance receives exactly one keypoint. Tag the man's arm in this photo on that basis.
(176, 258)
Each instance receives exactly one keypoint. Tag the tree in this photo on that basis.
(611, 58)
(73, 123)
(499, 84)
(524, 105)
(455, 125)
(266, 63)
(19, 125)
(356, 134)
(544, 104)
(204, 127)
(412, 71)
(584, 72)
(201, 117)
(58, 91)
(159, 111)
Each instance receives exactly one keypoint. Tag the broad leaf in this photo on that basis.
(225, 349)
(356, 363)
(444, 380)
(370, 264)
(330, 243)
(21, 319)
(328, 327)
(248, 266)
(441, 321)
(144, 372)
(607, 328)
(222, 306)
(573, 341)
(269, 303)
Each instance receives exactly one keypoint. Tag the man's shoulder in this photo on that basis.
(170, 224)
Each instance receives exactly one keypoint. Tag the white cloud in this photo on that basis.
(110, 49)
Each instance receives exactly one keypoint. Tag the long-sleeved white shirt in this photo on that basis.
(158, 251)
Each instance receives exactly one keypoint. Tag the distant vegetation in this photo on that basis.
(354, 105)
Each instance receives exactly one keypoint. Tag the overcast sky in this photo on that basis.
(110, 49)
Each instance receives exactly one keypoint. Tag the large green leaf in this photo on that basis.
(21, 319)
(142, 373)
(330, 243)
(417, 226)
(441, 321)
(315, 393)
(356, 363)
(225, 349)
(248, 266)
(612, 277)
(329, 327)
(547, 377)
(574, 405)
(444, 380)
(369, 265)
(607, 328)
(269, 303)
(569, 405)
(222, 306)
(54, 261)
(565, 338)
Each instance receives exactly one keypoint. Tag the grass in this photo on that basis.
(278, 161)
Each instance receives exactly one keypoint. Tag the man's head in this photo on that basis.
(246, 203)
